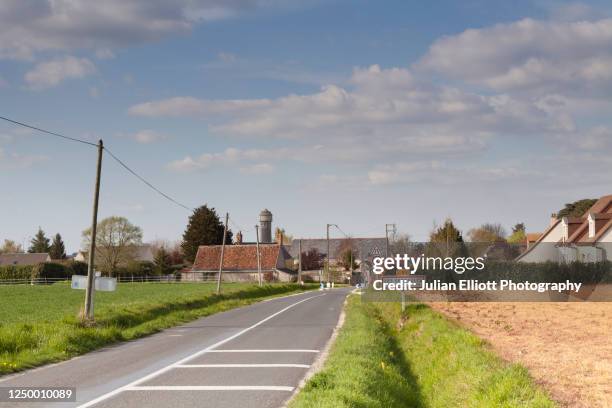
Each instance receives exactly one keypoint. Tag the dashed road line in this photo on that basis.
(208, 349)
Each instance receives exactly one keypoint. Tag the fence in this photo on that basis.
(192, 277)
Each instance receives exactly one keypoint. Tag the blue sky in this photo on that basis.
(358, 113)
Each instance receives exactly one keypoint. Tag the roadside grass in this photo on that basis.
(40, 324)
(385, 358)
(365, 367)
(457, 368)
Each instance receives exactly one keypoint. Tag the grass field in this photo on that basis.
(383, 358)
(40, 324)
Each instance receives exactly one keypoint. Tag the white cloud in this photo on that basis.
(230, 156)
(31, 26)
(384, 108)
(104, 54)
(522, 55)
(439, 173)
(259, 168)
(17, 161)
(50, 73)
(148, 136)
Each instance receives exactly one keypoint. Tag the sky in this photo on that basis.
(358, 113)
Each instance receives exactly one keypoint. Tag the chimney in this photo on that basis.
(553, 218)
(265, 225)
(238, 238)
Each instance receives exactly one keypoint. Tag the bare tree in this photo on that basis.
(115, 243)
(10, 247)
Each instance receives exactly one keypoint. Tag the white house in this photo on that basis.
(586, 239)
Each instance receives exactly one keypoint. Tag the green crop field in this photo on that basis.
(387, 358)
(40, 324)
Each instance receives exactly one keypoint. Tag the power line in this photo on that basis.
(151, 186)
(48, 132)
(166, 196)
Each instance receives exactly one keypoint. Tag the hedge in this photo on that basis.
(585, 272)
(47, 270)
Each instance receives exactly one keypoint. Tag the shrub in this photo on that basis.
(591, 272)
(16, 271)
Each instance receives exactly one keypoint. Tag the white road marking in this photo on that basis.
(265, 351)
(241, 365)
(154, 374)
(210, 388)
(175, 335)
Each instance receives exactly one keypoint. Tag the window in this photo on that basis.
(591, 226)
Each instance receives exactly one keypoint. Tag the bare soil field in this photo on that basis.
(567, 347)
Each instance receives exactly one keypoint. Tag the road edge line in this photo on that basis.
(318, 364)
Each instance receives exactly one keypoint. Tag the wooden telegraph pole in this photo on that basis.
(222, 253)
(89, 315)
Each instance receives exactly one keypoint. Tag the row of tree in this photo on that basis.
(39, 244)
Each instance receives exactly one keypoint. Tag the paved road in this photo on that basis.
(253, 356)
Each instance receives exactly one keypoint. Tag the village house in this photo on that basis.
(24, 259)
(568, 239)
(240, 263)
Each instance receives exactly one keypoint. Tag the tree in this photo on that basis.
(40, 243)
(312, 260)
(518, 234)
(348, 254)
(447, 232)
(163, 262)
(488, 233)
(286, 237)
(204, 228)
(57, 250)
(446, 240)
(116, 238)
(577, 208)
(10, 247)
(401, 245)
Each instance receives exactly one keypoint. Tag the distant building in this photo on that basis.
(531, 238)
(24, 259)
(567, 239)
(240, 262)
(364, 248)
(265, 226)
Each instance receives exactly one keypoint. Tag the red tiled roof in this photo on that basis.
(601, 206)
(533, 236)
(601, 211)
(237, 257)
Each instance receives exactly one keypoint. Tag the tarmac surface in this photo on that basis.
(253, 356)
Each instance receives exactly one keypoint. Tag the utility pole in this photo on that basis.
(327, 263)
(92, 245)
(258, 260)
(389, 228)
(300, 261)
(328, 225)
(222, 253)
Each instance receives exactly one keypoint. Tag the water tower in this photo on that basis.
(265, 226)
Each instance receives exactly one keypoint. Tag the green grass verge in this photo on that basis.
(386, 358)
(40, 324)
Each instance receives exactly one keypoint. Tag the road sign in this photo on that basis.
(101, 284)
